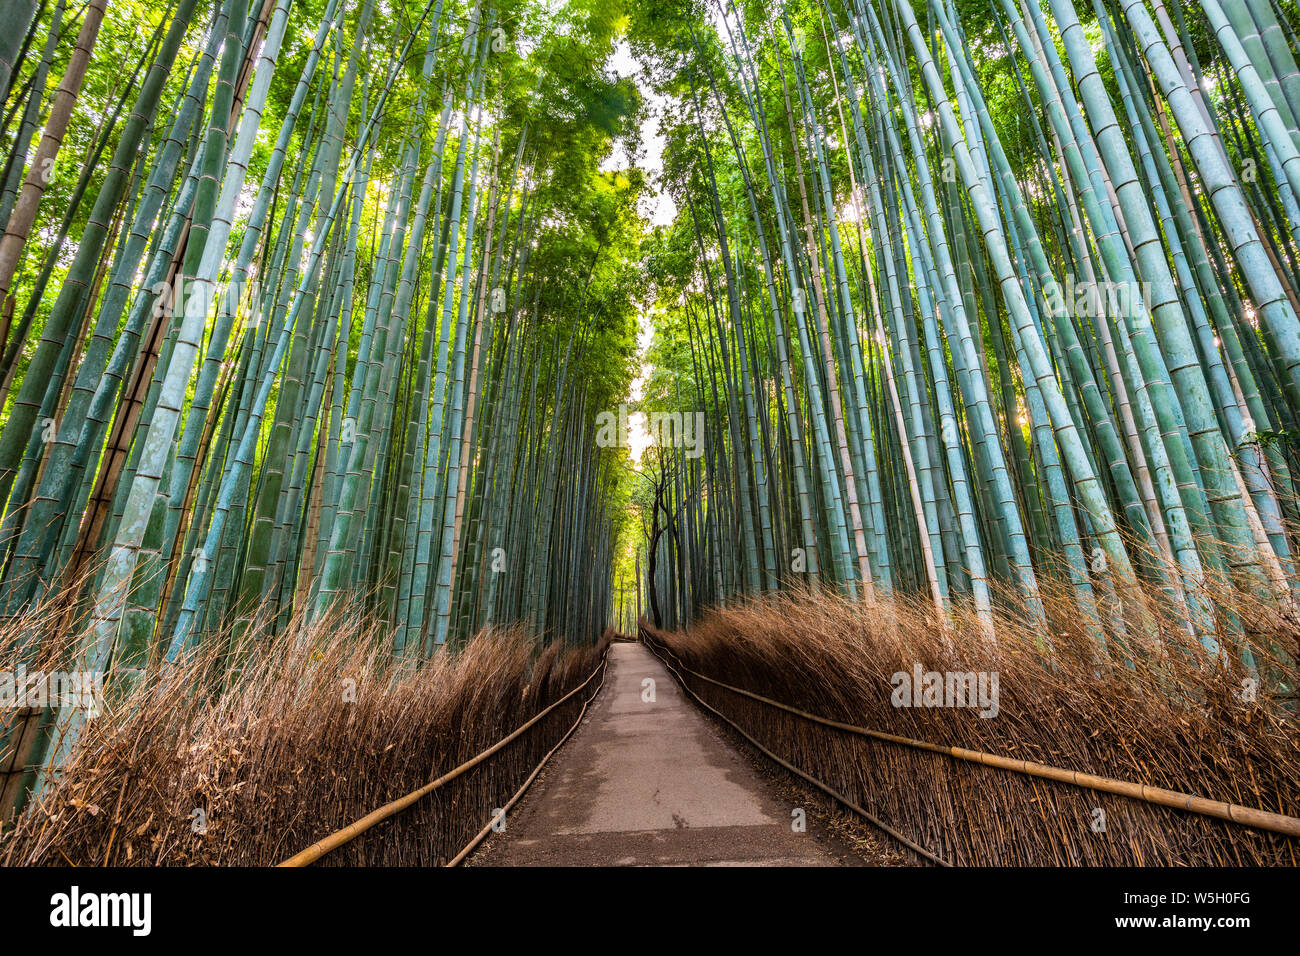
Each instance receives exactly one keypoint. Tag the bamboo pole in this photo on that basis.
(1232, 812)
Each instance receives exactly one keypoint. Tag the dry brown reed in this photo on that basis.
(252, 749)
(1162, 713)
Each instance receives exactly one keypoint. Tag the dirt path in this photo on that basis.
(648, 781)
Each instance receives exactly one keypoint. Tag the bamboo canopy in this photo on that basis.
(309, 305)
(981, 301)
(316, 330)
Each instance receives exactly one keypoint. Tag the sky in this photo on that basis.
(657, 206)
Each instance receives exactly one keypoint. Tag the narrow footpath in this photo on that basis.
(647, 780)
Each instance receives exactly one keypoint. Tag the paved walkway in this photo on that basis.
(651, 782)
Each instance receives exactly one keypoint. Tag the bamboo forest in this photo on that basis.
(586, 432)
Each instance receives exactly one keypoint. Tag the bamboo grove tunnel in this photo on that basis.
(897, 395)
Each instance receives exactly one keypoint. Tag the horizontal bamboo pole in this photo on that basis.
(355, 829)
(478, 837)
(1235, 813)
(896, 834)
